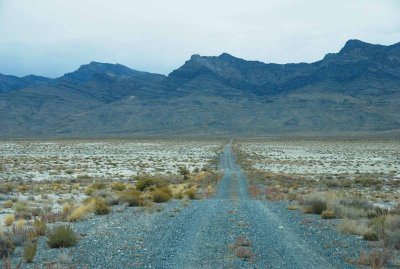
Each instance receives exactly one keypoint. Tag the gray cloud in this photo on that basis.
(50, 37)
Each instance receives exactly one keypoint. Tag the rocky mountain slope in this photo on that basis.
(356, 90)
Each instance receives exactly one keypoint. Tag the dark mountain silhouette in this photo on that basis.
(354, 91)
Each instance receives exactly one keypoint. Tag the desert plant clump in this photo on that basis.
(6, 247)
(371, 236)
(8, 204)
(118, 186)
(162, 194)
(315, 206)
(132, 198)
(353, 227)
(30, 249)
(9, 220)
(191, 193)
(144, 183)
(101, 207)
(40, 227)
(67, 208)
(328, 214)
(61, 236)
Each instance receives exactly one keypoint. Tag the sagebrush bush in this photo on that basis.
(144, 183)
(6, 247)
(40, 227)
(101, 207)
(353, 227)
(315, 206)
(9, 220)
(118, 186)
(371, 236)
(67, 208)
(162, 194)
(132, 198)
(328, 214)
(30, 249)
(98, 186)
(8, 204)
(191, 193)
(61, 236)
(79, 213)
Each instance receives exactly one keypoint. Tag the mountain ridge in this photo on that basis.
(356, 90)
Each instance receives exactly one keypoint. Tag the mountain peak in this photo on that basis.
(355, 44)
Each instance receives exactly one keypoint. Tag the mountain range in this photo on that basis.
(354, 91)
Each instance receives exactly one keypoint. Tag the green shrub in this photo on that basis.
(30, 249)
(61, 236)
(101, 208)
(162, 194)
(370, 236)
(144, 183)
(132, 198)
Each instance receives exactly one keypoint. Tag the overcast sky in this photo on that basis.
(51, 37)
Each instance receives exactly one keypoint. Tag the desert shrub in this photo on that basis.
(328, 214)
(61, 236)
(118, 186)
(20, 225)
(89, 191)
(315, 206)
(191, 193)
(9, 220)
(353, 227)
(349, 212)
(30, 249)
(132, 198)
(162, 194)
(67, 208)
(79, 213)
(392, 231)
(40, 227)
(101, 208)
(6, 247)
(144, 183)
(8, 204)
(371, 236)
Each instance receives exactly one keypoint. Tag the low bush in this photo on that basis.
(328, 214)
(162, 194)
(118, 186)
(132, 198)
(314, 206)
(98, 186)
(79, 213)
(6, 247)
(40, 227)
(9, 220)
(353, 227)
(371, 236)
(191, 193)
(61, 236)
(8, 204)
(30, 249)
(101, 208)
(144, 183)
(67, 208)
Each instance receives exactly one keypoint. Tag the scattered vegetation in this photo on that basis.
(30, 249)
(61, 236)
